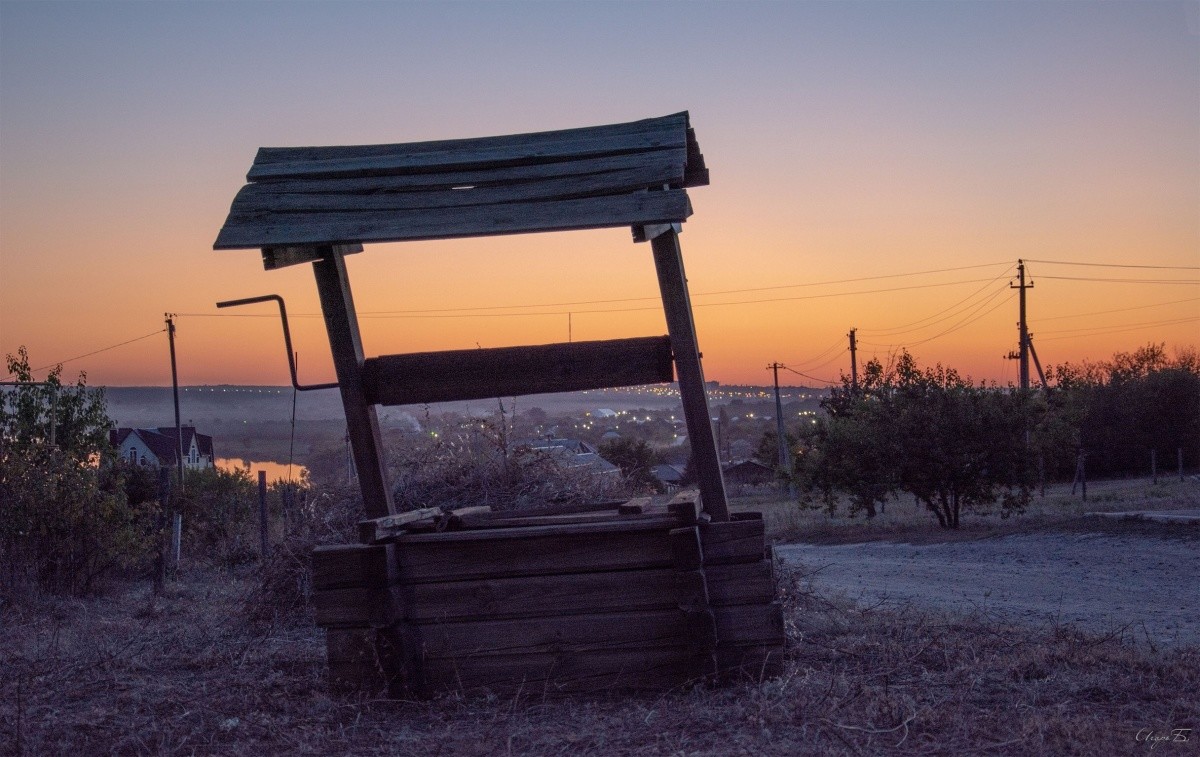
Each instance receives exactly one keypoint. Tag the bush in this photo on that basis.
(65, 524)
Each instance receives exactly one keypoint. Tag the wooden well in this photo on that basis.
(612, 596)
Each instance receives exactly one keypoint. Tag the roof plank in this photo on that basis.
(664, 124)
(251, 199)
(286, 229)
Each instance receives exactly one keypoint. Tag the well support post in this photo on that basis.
(677, 305)
(362, 422)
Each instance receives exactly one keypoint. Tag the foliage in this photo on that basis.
(636, 460)
(950, 443)
(1120, 409)
(66, 520)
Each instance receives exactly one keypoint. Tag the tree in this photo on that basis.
(951, 444)
(65, 519)
(636, 460)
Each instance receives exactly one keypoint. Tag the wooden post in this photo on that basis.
(262, 514)
(1154, 465)
(164, 501)
(341, 322)
(672, 284)
(176, 539)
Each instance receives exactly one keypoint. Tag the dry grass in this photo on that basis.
(188, 673)
(907, 521)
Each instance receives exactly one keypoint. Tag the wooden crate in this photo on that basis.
(631, 598)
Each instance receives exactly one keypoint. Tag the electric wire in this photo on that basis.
(1119, 310)
(805, 375)
(89, 354)
(906, 327)
(1119, 330)
(1122, 281)
(1166, 322)
(1117, 265)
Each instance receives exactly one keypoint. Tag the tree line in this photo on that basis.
(957, 445)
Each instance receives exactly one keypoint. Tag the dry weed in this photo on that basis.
(186, 674)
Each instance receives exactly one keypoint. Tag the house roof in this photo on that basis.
(588, 178)
(162, 441)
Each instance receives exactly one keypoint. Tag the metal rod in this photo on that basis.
(287, 337)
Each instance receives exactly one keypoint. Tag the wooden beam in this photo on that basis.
(348, 565)
(256, 229)
(511, 371)
(677, 305)
(341, 322)
(282, 257)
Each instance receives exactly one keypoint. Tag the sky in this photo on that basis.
(876, 166)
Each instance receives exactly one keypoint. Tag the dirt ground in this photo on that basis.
(1137, 580)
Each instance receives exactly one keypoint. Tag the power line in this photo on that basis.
(1123, 281)
(431, 314)
(1167, 322)
(1119, 265)
(1119, 310)
(822, 353)
(805, 375)
(952, 312)
(934, 318)
(960, 325)
(96, 352)
(1121, 330)
(694, 294)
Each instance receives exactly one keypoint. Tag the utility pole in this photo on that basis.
(785, 454)
(1022, 326)
(175, 387)
(853, 360)
(1038, 364)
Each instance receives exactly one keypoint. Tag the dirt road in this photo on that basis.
(1146, 583)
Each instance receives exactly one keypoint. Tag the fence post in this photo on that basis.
(262, 512)
(164, 497)
(1154, 465)
(176, 538)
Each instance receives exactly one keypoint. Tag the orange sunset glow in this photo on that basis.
(877, 166)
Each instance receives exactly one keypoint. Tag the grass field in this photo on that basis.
(203, 670)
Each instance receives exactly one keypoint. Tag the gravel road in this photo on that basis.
(1148, 585)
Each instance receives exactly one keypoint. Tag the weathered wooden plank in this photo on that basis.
(642, 506)
(459, 156)
(691, 589)
(538, 550)
(687, 505)
(750, 624)
(686, 551)
(286, 229)
(654, 125)
(668, 161)
(511, 371)
(362, 424)
(677, 305)
(282, 257)
(741, 583)
(378, 530)
(645, 628)
(570, 671)
(531, 596)
(520, 520)
(264, 198)
(742, 540)
(357, 606)
(350, 565)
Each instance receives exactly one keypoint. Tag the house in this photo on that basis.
(159, 447)
(748, 473)
(670, 476)
(574, 453)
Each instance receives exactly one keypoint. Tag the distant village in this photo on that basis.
(226, 425)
